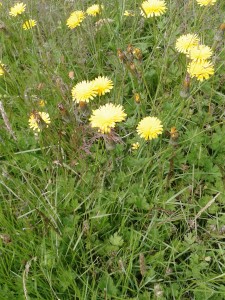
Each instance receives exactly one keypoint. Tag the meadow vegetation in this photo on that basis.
(112, 149)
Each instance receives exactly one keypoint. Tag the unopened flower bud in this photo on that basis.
(137, 98)
(137, 53)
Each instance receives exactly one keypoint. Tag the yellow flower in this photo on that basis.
(185, 42)
(41, 103)
(129, 13)
(17, 9)
(94, 9)
(75, 19)
(29, 24)
(39, 120)
(107, 116)
(149, 128)
(102, 85)
(201, 70)
(83, 91)
(2, 70)
(152, 8)
(200, 52)
(137, 98)
(135, 146)
(206, 2)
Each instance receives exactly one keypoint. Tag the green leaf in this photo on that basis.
(116, 240)
(107, 285)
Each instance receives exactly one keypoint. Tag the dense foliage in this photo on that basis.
(93, 215)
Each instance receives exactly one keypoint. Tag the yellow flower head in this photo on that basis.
(102, 85)
(29, 24)
(2, 70)
(39, 120)
(135, 146)
(152, 8)
(83, 91)
(137, 98)
(17, 9)
(41, 103)
(200, 52)
(129, 13)
(206, 2)
(149, 128)
(94, 9)
(75, 19)
(107, 116)
(200, 69)
(185, 42)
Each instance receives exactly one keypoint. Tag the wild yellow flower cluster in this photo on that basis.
(148, 9)
(87, 90)
(18, 9)
(199, 66)
(106, 116)
(109, 114)
(77, 17)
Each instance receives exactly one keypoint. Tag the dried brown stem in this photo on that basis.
(6, 121)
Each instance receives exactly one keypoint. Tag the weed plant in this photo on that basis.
(93, 215)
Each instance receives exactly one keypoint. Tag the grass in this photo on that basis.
(79, 221)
